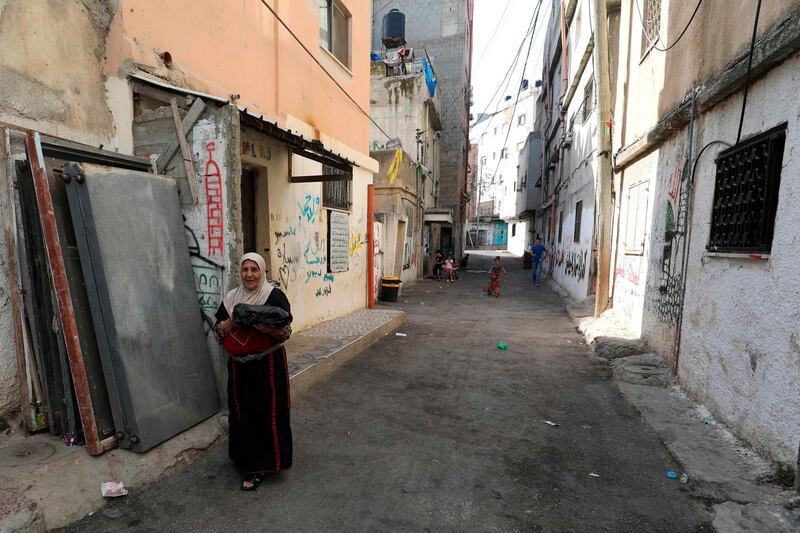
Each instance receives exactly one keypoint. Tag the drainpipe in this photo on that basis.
(564, 53)
(370, 247)
(603, 140)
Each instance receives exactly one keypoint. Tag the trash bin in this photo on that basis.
(390, 288)
(527, 260)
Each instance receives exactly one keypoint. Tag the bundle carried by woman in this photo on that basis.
(248, 315)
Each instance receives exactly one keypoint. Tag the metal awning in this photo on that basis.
(298, 145)
(438, 216)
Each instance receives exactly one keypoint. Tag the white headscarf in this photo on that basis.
(240, 294)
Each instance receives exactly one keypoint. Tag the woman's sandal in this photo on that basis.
(254, 482)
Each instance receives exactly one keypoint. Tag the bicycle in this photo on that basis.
(494, 286)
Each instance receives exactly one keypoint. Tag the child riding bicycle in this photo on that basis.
(495, 273)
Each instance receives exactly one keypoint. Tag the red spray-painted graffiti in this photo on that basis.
(216, 239)
(674, 184)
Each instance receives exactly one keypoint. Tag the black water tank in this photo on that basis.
(393, 29)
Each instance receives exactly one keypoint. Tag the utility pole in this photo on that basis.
(603, 160)
(478, 209)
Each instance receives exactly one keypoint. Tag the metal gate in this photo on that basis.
(148, 324)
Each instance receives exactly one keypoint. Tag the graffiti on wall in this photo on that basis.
(356, 244)
(208, 279)
(287, 266)
(667, 301)
(256, 150)
(573, 262)
(214, 206)
(325, 290)
(309, 209)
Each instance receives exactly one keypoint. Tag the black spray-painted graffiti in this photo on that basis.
(208, 280)
(324, 291)
(667, 301)
(575, 264)
(287, 272)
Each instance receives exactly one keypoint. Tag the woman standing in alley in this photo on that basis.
(260, 436)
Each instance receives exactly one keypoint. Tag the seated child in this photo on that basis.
(448, 268)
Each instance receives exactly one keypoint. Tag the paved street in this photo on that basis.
(442, 431)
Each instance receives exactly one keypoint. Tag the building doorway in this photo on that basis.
(249, 222)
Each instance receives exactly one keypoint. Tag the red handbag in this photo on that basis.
(243, 341)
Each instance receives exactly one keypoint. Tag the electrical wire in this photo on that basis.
(384, 6)
(511, 67)
(303, 46)
(494, 33)
(749, 68)
(519, 90)
(657, 38)
(697, 159)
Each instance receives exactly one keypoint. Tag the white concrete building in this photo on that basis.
(705, 258)
(500, 136)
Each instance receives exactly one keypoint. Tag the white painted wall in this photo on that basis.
(518, 239)
(572, 259)
(298, 250)
(740, 352)
(492, 136)
(740, 345)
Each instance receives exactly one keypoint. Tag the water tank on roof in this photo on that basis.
(393, 29)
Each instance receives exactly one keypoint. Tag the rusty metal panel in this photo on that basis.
(147, 319)
(63, 298)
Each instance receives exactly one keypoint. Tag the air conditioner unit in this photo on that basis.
(566, 141)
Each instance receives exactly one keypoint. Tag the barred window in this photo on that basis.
(746, 194)
(588, 99)
(336, 194)
(651, 24)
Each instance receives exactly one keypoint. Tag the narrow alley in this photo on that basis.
(440, 430)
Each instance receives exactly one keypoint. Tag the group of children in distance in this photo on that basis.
(450, 266)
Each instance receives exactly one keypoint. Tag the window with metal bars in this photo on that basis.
(746, 194)
(651, 28)
(335, 194)
(588, 100)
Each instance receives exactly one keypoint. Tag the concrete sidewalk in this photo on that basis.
(721, 470)
(46, 484)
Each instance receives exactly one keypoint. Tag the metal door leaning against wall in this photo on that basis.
(136, 264)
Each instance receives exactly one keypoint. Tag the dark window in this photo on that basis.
(588, 100)
(560, 225)
(746, 194)
(513, 230)
(651, 23)
(335, 194)
(578, 216)
(248, 210)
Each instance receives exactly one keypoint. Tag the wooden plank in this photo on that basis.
(157, 94)
(316, 178)
(188, 121)
(187, 155)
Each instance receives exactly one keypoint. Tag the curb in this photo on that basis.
(321, 369)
